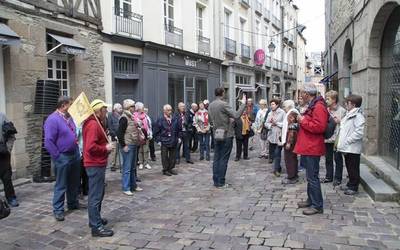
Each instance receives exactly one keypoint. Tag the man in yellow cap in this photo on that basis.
(96, 148)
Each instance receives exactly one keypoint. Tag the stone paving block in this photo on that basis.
(274, 242)
(294, 244)
(256, 241)
(250, 234)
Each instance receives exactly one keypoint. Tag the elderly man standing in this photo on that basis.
(193, 142)
(222, 116)
(61, 142)
(167, 132)
(113, 124)
(181, 115)
(95, 154)
(310, 144)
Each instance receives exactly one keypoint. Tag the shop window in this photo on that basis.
(242, 79)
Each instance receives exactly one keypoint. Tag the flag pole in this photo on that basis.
(102, 129)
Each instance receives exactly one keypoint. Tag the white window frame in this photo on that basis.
(2, 83)
(227, 21)
(169, 21)
(242, 29)
(200, 20)
(54, 59)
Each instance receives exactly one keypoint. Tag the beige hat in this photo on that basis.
(97, 104)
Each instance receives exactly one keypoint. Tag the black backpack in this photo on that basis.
(4, 209)
(330, 128)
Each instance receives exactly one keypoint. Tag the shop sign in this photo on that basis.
(259, 57)
(191, 63)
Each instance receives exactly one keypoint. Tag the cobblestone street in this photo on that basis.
(187, 212)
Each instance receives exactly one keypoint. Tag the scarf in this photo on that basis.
(285, 126)
(141, 116)
(246, 124)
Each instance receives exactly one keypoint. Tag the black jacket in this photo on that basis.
(166, 134)
(238, 126)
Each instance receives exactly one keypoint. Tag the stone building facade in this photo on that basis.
(41, 27)
(363, 57)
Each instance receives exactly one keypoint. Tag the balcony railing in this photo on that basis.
(285, 67)
(245, 51)
(173, 36)
(258, 8)
(128, 23)
(268, 61)
(203, 45)
(267, 14)
(276, 22)
(275, 63)
(291, 69)
(279, 65)
(230, 46)
(245, 3)
(291, 38)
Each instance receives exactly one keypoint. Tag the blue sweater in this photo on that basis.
(167, 134)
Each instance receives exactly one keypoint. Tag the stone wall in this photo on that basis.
(27, 63)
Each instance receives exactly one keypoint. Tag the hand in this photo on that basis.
(179, 140)
(300, 118)
(336, 119)
(110, 146)
(287, 146)
(243, 101)
(126, 149)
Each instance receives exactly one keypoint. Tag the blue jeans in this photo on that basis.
(129, 168)
(204, 140)
(222, 152)
(97, 176)
(67, 172)
(313, 185)
(186, 147)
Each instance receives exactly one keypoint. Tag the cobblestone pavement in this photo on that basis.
(187, 212)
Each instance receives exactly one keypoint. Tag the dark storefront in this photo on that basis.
(173, 76)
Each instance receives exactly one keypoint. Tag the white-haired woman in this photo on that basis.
(260, 128)
(141, 118)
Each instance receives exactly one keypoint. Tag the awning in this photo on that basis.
(263, 86)
(327, 79)
(68, 45)
(8, 36)
(246, 88)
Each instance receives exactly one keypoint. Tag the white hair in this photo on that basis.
(310, 88)
(117, 106)
(128, 103)
(288, 104)
(167, 106)
(139, 105)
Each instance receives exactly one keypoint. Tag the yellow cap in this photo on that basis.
(97, 104)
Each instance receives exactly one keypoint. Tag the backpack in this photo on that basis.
(4, 209)
(330, 129)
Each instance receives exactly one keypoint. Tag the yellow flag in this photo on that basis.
(80, 109)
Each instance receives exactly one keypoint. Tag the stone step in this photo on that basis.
(17, 182)
(384, 170)
(375, 187)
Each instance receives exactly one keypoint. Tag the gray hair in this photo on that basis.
(128, 103)
(288, 104)
(117, 106)
(139, 105)
(310, 88)
(167, 106)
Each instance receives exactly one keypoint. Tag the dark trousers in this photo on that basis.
(330, 156)
(222, 152)
(212, 138)
(168, 158)
(5, 175)
(276, 151)
(353, 169)
(193, 142)
(97, 176)
(67, 172)
(84, 183)
(185, 147)
(291, 163)
(313, 184)
(152, 149)
(242, 145)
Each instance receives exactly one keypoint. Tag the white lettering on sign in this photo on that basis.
(191, 63)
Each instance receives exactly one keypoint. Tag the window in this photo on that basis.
(258, 35)
(124, 6)
(242, 79)
(169, 13)
(57, 69)
(199, 18)
(242, 28)
(227, 23)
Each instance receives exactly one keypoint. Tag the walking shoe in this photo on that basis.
(129, 193)
(153, 159)
(251, 148)
(208, 158)
(147, 166)
(13, 202)
(138, 189)
(312, 211)
(167, 173)
(270, 161)
(173, 172)
(113, 169)
(260, 156)
(59, 217)
(290, 181)
(277, 174)
(336, 183)
(138, 180)
(326, 180)
(246, 158)
(201, 158)
(303, 204)
(102, 232)
(225, 186)
(350, 192)
(190, 162)
(141, 166)
(237, 159)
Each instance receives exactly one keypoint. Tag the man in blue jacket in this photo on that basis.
(167, 131)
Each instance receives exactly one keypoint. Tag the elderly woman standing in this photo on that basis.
(350, 141)
(202, 125)
(261, 130)
(142, 119)
(274, 124)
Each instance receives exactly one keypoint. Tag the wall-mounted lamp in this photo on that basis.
(171, 54)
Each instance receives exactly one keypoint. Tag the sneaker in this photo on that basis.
(59, 217)
(102, 232)
(13, 202)
(129, 193)
(141, 166)
(147, 166)
(225, 186)
(312, 211)
(138, 189)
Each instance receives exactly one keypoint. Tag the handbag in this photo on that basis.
(141, 137)
(264, 130)
(4, 209)
(219, 134)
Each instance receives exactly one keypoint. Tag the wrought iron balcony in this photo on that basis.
(230, 46)
(285, 67)
(173, 36)
(203, 45)
(267, 14)
(245, 52)
(276, 22)
(268, 61)
(279, 65)
(128, 23)
(258, 8)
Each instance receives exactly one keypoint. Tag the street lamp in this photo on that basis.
(271, 47)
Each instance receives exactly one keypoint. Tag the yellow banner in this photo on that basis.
(80, 109)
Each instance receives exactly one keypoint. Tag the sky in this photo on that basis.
(311, 14)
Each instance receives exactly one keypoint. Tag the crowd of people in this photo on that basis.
(125, 138)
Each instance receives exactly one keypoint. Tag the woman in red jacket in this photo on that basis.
(95, 153)
(311, 146)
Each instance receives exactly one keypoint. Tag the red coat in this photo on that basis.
(310, 139)
(95, 153)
